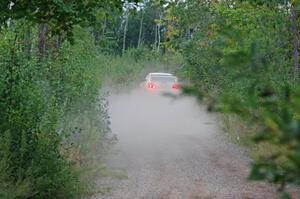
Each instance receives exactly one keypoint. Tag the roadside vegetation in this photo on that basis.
(54, 59)
(54, 123)
(240, 57)
(51, 110)
(130, 69)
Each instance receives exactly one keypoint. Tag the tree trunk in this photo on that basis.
(58, 41)
(155, 41)
(42, 29)
(101, 32)
(125, 33)
(158, 33)
(295, 42)
(28, 42)
(104, 27)
(158, 37)
(141, 30)
(96, 35)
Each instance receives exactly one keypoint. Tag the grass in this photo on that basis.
(241, 134)
(127, 70)
(238, 131)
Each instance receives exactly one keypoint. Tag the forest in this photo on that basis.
(238, 57)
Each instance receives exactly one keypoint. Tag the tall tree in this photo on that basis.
(125, 31)
(294, 22)
(60, 16)
(141, 29)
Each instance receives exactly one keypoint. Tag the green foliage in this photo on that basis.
(150, 13)
(39, 102)
(54, 124)
(240, 54)
(142, 24)
(60, 15)
(130, 68)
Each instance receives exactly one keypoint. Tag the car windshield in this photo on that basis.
(163, 78)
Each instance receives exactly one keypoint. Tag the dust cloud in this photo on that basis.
(173, 149)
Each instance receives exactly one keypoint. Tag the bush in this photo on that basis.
(40, 98)
(241, 61)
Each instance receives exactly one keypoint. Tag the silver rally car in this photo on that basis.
(161, 82)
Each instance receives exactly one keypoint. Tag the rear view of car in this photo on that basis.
(162, 82)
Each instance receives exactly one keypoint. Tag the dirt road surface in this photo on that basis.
(174, 149)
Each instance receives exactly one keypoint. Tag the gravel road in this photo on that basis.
(174, 149)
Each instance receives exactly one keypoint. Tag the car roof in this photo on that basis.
(161, 74)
